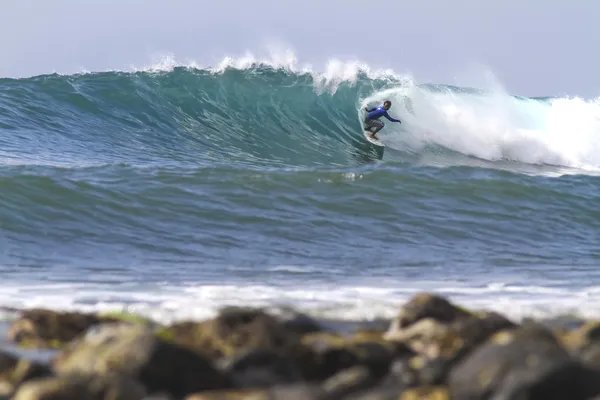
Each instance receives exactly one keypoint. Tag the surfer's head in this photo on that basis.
(387, 104)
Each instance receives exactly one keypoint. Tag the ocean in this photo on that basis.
(174, 191)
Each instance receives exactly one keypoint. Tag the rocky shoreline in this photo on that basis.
(433, 349)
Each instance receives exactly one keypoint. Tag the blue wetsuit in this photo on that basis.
(375, 113)
(372, 122)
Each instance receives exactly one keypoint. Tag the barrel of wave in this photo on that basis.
(441, 116)
(492, 125)
(392, 135)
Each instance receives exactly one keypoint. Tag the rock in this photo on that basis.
(425, 306)
(261, 368)
(79, 387)
(234, 331)
(41, 328)
(427, 393)
(300, 323)
(125, 317)
(420, 334)
(525, 363)
(419, 371)
(560, 323)
(586, 333)
(349, 381)
(433, 327)
(449, 342)
(584, 343)
(294, 392)
(238, 331)
(381, 392)
(244, 394)
(334, 353)
(368, 336)
(466, 334)
(15, 371)
(279, 392)
(391, 392)
(135, 351)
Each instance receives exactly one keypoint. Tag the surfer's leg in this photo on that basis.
(367, 125)
(373, 125)
(378, 125)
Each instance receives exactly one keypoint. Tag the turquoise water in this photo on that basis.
(173, 193)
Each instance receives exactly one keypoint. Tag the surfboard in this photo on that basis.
(370, 139)
(367, 136)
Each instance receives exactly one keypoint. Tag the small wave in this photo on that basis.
(341, 303)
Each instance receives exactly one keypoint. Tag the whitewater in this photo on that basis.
(173, 189)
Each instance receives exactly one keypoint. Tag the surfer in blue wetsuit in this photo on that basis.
(372, 122)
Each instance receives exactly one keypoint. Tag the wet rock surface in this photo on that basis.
(14, 371)
(136, 352)
(433, 349)
(42, 328)
(82, 387)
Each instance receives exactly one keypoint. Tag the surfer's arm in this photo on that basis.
(369, 110)
(385, 114)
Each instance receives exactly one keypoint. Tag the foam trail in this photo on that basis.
(495, 126)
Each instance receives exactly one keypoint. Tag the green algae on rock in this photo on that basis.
(14, 371)
(528, 362)
(123, 316)
(43, 328)
(135, 351)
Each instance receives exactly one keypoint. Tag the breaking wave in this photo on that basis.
(258, 114)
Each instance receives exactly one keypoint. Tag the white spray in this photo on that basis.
(494, 126)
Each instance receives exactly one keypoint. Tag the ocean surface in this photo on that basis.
(174, 191)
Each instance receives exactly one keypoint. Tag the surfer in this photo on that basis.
(372, 119)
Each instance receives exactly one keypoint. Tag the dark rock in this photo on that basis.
(82, 387)
(450, 341)
(560, 323)
(386, 391)
(15, 371)
(427, 393)
(241, 394)
(295, 392)
(391, 392)
(261, 368)
(525, 363)
(426, 306)
(584, 343)
(300, 323)
(41, 328)
(136, 352)
(238, 331)
(466, 334)
(364, 335)
(419, 371)
(349, 381)
(336, 353)
(419, 335)
(279, 392)
(234, 331)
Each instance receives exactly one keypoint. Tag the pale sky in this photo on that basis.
(533, 47)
